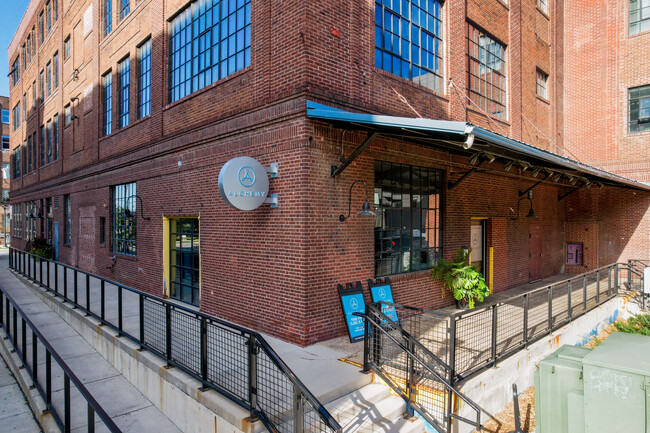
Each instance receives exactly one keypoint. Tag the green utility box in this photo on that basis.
(558, 375)
(617, 385)
(604, 390)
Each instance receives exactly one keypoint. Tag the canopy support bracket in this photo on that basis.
(565, 195)
(337, 170)
(452, 185)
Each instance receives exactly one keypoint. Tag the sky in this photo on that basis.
(11, 12)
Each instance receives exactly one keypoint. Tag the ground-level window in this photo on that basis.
(639, 100)
(184, 261)
(408, 222)
(124, 227)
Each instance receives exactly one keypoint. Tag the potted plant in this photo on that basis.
(463, 280)
(40, 248)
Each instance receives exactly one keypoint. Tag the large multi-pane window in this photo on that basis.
(408, 40)
(5, 142)
(17, 216)
(48, 78)
(124, 219)
(124, 90)
(42, 145)
(42, 84)
(5, 116)
(30, 222)
(639, 109)
(48, 16)
(209, 40)
(66, 48)
(49, 141)
(639, 16)
(17, 162)
(408, 218)
(184, 260)
(55, 137)
(15, 71)
(41, 28)
(125, 8)
(29, 154)
(542, 84)
(16, 116)
(487, 72)
(107, 103)
(144, 79)
(55, 69)
(107, 20)
(67, 210)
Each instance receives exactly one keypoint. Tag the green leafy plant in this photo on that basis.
(463, 280)
(39, 247)
(637, 324)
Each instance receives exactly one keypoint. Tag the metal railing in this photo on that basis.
(18, 327)
(635, 277)
(230, 359)
(415, 373)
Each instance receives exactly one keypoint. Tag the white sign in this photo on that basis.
(243, 183)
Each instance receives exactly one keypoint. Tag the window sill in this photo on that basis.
(120, 256)
(542, 99)
(408, 275)
(125, 128)
(545, 14)
(503, 122)
(636, 35)
(412, 84)
(207, 88)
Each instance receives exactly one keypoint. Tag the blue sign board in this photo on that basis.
(384, 293)
(352, 302)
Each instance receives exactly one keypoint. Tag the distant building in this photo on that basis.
(5, 130)
(125, 112)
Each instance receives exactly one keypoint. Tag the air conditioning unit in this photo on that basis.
(603, 390)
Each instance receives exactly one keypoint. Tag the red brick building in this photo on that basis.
(5, 132)
(133, 107)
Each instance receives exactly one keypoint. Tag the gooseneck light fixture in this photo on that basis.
(531, 213)
(127, 212)
(365, 209)
(38, 215)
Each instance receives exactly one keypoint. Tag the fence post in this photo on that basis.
(252, 373)
(629, 274)
(103, 306)
(48, 380)
(410, 379)
(66, 403)
(91, 419)
(609, 281)
(2, 309)
(494, 334)
(24, 341)
(65, 283)
(526, 295)
(598, 287)
(570, 309)
(204, 351)
(119, 309)
(40, 270)
(298, 410)
(168, 328)
(56, 278)
(550, 308)
(87, 294)
(584, 293)
(366, 342)
(48, 275)
(616, 282)
(452, 350)
(34, 359)
(76, 287)
(141, 308)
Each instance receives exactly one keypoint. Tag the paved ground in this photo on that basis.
(125, 405)
(15, 414)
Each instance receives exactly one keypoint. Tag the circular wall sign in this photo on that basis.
(243, 183)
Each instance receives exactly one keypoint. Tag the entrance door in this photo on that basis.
(477, 244)
(184, 260)
(535, 273)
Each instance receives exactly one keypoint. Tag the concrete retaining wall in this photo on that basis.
(492, 389)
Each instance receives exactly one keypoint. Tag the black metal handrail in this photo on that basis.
(32, 370)
(379, 326)
(271, 392)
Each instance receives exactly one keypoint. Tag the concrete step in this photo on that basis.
(361, 399)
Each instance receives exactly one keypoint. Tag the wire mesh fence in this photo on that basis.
(231, 359)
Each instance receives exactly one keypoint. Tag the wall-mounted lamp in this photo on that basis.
(74, 98)
(474, 158)
(508, 165)
(365, 209)
(572, 179)
(73, 117)
(524, 165)
(489, 157)
(557, 177)
(127, 212)
(531, 213)
(536, 171)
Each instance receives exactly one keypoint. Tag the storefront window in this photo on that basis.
(407, 225)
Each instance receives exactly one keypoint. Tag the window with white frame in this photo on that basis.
(542, 84)
(639, 16)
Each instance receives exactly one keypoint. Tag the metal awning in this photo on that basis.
(466, 139)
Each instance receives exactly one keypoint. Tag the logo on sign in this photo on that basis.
(243, 183)
(382, 294)
(246, 176)
(354, 304)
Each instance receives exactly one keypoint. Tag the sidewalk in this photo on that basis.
(128, 408)
(15, 414)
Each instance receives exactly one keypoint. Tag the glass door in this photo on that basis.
(184, 260)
